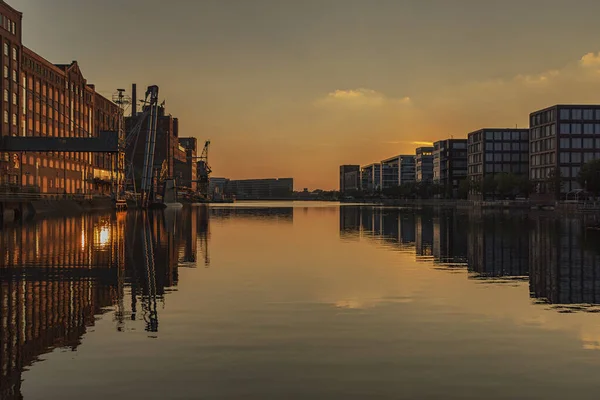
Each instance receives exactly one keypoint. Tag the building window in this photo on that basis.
(489, 135)
(565, 129)
(515, 146)
(576, 129)
(588, 129)
(588, 114)
(564, 143)
(576, 143)
(14, 53)
(497, 135)
(564, 114)
(6, 117)
(506, 135)
(576, 114)
(588, 157)
(489, 146)
(506, 146)
(6, 72)
(14, 28)
(576, 158)
(565, 172)
(524, 146)
(15, 99)
(6, 96)
(6, 47)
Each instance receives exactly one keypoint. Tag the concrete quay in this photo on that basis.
(16, 206)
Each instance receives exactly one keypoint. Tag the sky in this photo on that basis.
(295, 88)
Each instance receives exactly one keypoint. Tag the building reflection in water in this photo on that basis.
(283, 214)
(57, 275)
(557, 255)
(498, 246)
(565, 263)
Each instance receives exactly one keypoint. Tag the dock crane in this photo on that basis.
(203, 172)
(131, 141)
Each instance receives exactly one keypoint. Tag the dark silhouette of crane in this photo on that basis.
(203, 172)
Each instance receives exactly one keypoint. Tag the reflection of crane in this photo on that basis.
(204, 172)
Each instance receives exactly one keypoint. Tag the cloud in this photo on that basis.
(539, 79)
(360, 97)
(590, 60)
(417, 143)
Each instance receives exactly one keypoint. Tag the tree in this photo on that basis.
(524, 186)
(506, 184)
(589, 177)
(488, 185)
(464, 187)
(555, 182)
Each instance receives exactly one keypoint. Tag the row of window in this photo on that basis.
(577, 157)
(544, 131)
(8, 24)
(578, 129)
(506, 135)
(507, 157)
(506, 146)
(578, 114)
(543, 145)
(543, 159)
(578, 143)
(543, 117)
(507, 168)
(15, 51)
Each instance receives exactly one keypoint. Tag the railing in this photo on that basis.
(30, 196)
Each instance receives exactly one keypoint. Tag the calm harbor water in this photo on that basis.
(299, 301)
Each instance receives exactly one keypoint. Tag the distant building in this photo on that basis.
(371, 177)
(217, 185)
(407, 169)
(450, 163)
(491, 151)
(424, 164)
(563, 137)
(349, 178)
(389, 172)
(261, 189)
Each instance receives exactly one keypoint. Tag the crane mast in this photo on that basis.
(147, 171)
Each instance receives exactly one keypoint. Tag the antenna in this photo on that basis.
(121, 99)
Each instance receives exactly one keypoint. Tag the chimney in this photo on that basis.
(134, 100)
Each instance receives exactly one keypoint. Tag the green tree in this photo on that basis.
(589, 177)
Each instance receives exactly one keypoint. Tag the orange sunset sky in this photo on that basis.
(296, 88)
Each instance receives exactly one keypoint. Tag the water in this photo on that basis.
(298, 301)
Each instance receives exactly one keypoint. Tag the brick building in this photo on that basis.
(42, 99)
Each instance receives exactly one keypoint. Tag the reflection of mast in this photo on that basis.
(149, 301)
(203, 227)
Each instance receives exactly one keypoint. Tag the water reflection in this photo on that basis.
(556, 255)
(284, 214)
(58, 275)
(565, 264)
